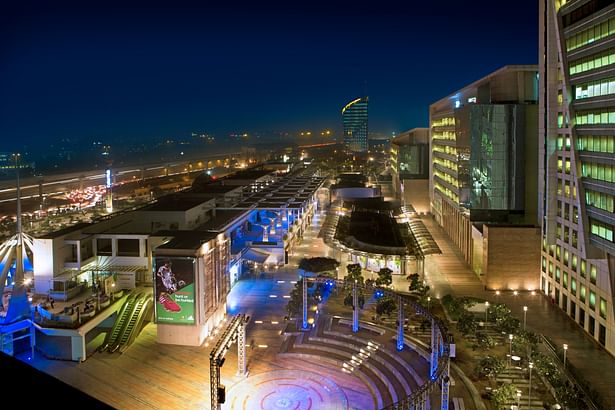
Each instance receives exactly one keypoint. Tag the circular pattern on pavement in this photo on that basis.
(286, 389)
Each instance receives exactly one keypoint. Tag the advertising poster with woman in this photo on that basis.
(175, 290)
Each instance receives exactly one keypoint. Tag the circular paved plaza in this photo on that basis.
(286, 389)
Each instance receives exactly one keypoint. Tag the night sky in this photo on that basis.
(151, 70)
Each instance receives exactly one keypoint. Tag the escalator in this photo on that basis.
(141, 312)
(122, 317)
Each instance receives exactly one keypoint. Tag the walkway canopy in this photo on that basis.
(255, 256)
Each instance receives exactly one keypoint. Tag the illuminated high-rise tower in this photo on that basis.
(577, 161)
(354, 117)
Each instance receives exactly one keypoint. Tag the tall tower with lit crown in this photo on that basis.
(354, 117)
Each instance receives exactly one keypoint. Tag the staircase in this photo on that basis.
(122, 318)
(134, 325)
(129, 323)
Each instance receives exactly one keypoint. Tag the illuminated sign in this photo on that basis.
(108, 178)
(174, 290)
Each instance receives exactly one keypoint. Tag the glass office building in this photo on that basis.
(577, 161)
(478, 138)
(354, 117)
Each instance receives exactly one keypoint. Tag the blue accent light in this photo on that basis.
(457, 104)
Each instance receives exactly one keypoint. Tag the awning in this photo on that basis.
(255, 256)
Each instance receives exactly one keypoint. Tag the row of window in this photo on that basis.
(573, 280)
(563, 165)
(563, 210)
(445, 149)
(601, 172)
(603, 116)
(556, 252)
(596, 88)
(596, 143)
(599, 200)
(446, 177)
(594, 33)
(601, 229)
(566, 188)
(443, 122)
(595, 61)
(447, 192)
(444, 135)
(565, 233)
(563, 142)
(547, 287)
(445, 163)
(583, 292)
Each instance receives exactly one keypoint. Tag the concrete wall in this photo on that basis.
(416, 193)
(511, 257)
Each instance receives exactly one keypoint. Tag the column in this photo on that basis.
(355, 308)
(241, 347)
(445, 386)
(400, 325)
(434, 349)
(304, 292)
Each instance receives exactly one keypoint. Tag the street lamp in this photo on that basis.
(518, 399)
(486, 310)
(524, 317)
(529, 396)
(428, 301)
(510, 338)
(565, 350)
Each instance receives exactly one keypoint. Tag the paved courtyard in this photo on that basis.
(151, 375)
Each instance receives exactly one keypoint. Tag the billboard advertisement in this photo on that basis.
(174, 290)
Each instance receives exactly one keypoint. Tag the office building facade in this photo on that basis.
(410, 168)
(480, 173)
(354, 118)
(577, 161)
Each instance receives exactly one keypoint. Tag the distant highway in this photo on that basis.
(33, 188)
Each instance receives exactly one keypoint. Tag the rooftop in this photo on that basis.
(190, 240)
(66, 231)
(247, 175)
(222, 219)
(175, 203)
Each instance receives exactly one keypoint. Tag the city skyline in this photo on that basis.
(82, 71)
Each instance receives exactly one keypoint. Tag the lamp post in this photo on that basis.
(518, 399)
(510, 338)
(565, 350)
(486, 310)
(524, 317)
(428, 302)
(529, 396)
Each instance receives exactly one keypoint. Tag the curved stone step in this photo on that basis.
(387, 380)
(374, 389)
(374, 355)
(418, 380)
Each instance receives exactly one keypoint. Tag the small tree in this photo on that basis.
(415, 282)
(467, 323)
(490, 366)
(505, 393)
(295, 302)
(348, 299)
(354, 274)
(526, 342)
(385, 306)
(318, 264)
(385, 277)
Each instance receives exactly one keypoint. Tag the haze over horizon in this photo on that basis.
(144, 71)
